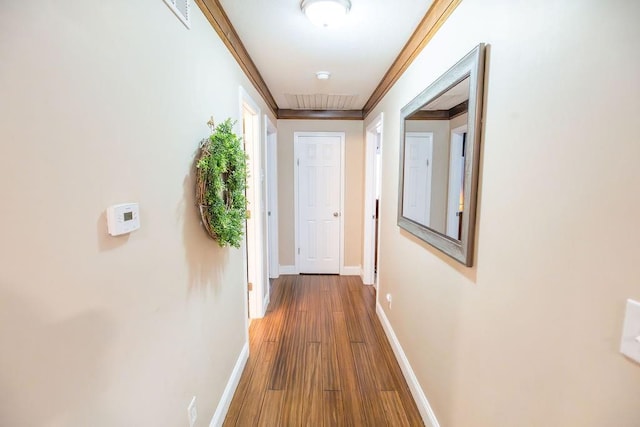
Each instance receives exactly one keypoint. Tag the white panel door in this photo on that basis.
(319, 210)
(418, 151)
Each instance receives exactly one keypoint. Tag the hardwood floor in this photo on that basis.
(320, 357)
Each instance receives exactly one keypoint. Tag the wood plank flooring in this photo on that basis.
(320, 357)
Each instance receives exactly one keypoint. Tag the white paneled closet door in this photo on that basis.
(319, 199)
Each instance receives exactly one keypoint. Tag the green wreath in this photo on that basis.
(220, 191)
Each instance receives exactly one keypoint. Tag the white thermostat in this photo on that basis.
(123, 218)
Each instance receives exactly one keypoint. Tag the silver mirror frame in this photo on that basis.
(471, 65)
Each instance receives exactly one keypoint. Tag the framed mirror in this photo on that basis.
(440, 133)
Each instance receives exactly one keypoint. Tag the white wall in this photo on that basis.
(102, 103)
(529, 336)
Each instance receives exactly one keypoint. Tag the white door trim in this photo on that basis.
(368, 261)
(296, 151)
(256, 268)
(456, 171)
(343, 138)
(271, 150)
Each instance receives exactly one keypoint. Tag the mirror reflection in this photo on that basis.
(434, 157)
(439, 161)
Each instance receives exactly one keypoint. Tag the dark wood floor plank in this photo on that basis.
(304, 287)
(330, 363)
(325, 283)
(353, 315)
(304, 403)
(333, 409)
(393, 409)
(280, 330)
(279, 308)
(365, 372)
(252, 403)
(320, 357)
(298, 292)
(311, 303)
(288, 364)
(347, 371)
(272, 405)
(312, 386)
(336, 296)
(385, 378)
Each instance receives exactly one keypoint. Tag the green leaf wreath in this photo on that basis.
(220, 192)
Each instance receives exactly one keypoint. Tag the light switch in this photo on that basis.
(630, 343)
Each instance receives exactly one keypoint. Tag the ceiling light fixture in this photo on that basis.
(326, 13)
(323, 75)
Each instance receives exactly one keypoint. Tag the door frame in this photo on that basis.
(271, 150)
(296, 152)
(370, 183)
(456, 170)
(254, 257)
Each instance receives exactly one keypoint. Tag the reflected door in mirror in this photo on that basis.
(417, 176)
(440, 139)
(434, 162)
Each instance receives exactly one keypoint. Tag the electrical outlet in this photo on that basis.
(389, 300)
(192, 411)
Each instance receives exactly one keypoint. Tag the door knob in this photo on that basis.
(336, 214)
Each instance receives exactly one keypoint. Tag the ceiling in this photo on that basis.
(281, 50)
(452, 97)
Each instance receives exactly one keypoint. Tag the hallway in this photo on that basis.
(320, 357)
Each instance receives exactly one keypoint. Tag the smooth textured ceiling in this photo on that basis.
(288, 49)
(452, 97)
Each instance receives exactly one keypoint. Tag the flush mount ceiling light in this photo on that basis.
(323, 75)
(326, 13)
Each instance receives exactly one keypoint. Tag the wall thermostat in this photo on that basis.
(123, 218)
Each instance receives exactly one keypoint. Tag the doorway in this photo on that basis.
(373, 184)
(256, 271)
(271, 150)
(318, 201)
(455, 196)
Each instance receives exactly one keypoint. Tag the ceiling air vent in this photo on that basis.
(181, 9)
(320, 101)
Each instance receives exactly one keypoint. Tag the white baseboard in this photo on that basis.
(428, 416)
(351, 270)
(230, 389)
(363, 281)
(288, 269)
